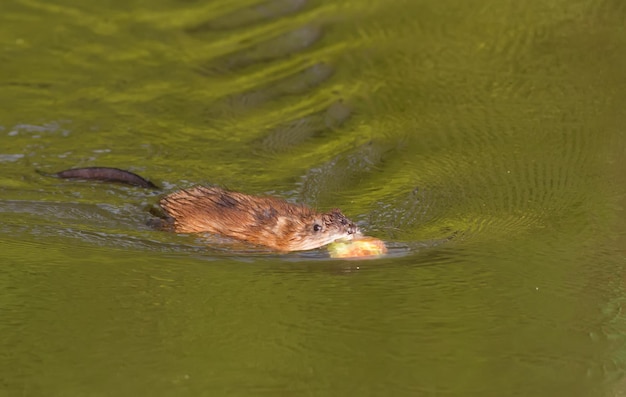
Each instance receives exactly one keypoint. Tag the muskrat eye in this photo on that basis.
(317, 227)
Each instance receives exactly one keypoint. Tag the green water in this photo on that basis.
(483, 141)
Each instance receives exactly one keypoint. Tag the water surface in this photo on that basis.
(483, 141)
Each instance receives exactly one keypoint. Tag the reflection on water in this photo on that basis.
(483, 141)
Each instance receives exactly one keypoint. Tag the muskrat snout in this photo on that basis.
(351, 227)
(345, 225)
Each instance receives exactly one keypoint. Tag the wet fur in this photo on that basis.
(266, 221)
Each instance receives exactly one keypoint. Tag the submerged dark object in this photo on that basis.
(267, 221)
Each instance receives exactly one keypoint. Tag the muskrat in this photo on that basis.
(265, 221)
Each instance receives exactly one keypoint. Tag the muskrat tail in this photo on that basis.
(107, 174)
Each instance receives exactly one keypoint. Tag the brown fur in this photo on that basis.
(265, 221)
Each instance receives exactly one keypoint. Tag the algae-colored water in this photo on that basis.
(483, 141)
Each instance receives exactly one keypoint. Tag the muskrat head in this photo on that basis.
(322, 229)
